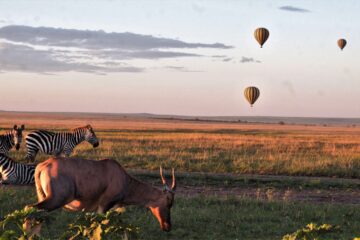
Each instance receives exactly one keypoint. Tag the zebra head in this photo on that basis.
(17, 135)
(90, 136)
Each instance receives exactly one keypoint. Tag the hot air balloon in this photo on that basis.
(341, 43)
(251, 94)
(261, 35)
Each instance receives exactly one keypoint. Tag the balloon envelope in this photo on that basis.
(341, 43)
(261, 35)
(251, 94)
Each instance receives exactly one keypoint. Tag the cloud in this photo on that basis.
(248, 60)
(294, 9)
(219, 56)
(152, 54)
(45, 49)
(175, 67)
(27, 59)
(289, 86)
(227, 59)
(242, 60)
(180, 69)
(95, 39)
(4, 21)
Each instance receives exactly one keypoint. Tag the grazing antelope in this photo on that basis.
(15, 173)
(58, 143)
(79, 184)
(11, 139)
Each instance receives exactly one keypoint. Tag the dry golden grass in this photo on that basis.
(207, 146)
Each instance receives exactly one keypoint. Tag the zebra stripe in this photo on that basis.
(58, 143)
(16, 173)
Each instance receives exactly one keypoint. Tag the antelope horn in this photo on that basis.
(173, 185)
(162, 177)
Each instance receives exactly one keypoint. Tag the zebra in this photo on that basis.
(58, 143)
(16, 173)
(11, 139)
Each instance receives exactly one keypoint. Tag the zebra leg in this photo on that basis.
(67, 152)
(4, 182)
(58, 154)
(31, 154)
(10, 179)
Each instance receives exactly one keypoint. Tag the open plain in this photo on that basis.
(237, 180)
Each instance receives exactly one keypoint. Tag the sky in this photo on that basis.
(180, 57)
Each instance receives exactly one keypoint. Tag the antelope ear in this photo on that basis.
(15, 127)
(23, 127)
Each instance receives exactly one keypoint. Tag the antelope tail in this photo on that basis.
(39, 190)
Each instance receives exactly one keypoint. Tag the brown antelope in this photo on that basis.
(79, 184)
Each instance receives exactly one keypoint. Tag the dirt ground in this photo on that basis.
(348, 196)
(351, 196)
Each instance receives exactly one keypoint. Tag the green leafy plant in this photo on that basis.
(312, 231)
(101, 226)
(22, 224)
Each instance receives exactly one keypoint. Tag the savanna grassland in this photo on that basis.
(212, 147)
(236, 180)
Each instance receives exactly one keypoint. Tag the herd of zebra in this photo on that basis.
(57, 144)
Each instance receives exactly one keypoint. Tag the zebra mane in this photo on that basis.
(81, 128)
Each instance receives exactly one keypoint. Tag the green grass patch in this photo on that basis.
(212, 218)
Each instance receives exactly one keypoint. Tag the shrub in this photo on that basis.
(101, 226)
(26, 224)
(23, 224)
(312, 232)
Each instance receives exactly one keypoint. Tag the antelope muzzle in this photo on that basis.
(166, 227)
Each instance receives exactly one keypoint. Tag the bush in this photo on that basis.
(22, 224)
(100, 226)
(26, 224)
(312, 232)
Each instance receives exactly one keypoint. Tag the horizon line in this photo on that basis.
(177, 115)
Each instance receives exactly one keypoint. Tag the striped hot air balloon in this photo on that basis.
(341, 43)
(251, 94)
(261, 35)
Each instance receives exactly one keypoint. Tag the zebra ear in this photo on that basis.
(88, 126)
(15, 127)
(23, 127)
